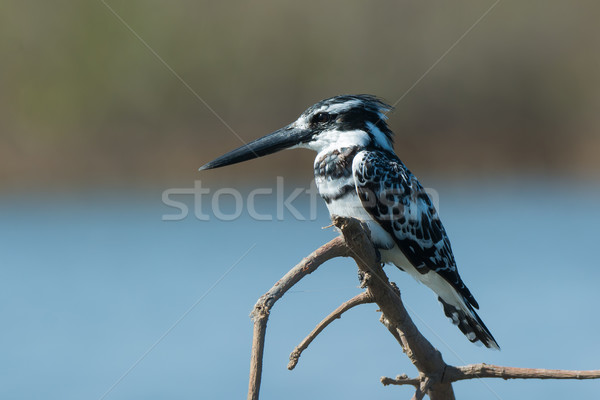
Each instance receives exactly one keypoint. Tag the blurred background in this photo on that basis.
(105, 105)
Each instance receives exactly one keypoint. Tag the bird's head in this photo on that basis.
(341, 121)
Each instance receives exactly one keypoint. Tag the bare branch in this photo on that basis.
(435, 376)
(454, 374)
(475, 371)
(359, 299)
(260, 313)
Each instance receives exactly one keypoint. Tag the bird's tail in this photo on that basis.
(463, 315)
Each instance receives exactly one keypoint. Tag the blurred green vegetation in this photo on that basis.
(84, 102)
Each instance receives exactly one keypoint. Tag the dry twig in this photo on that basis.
(359, 299)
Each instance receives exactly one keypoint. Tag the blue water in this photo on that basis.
(89, 283)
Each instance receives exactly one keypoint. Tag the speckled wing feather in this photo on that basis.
(396, 200)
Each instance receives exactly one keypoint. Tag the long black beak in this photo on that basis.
(281, 139)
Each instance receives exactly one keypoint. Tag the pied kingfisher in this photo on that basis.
(358, 175)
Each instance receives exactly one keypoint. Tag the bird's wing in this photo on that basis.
(396, 200)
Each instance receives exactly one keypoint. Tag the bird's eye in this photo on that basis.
(322, 117)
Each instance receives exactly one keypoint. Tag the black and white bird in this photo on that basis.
(358, 175)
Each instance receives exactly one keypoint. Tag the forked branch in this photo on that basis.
(435, 376)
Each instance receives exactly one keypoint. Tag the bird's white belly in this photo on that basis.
(351, 206)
